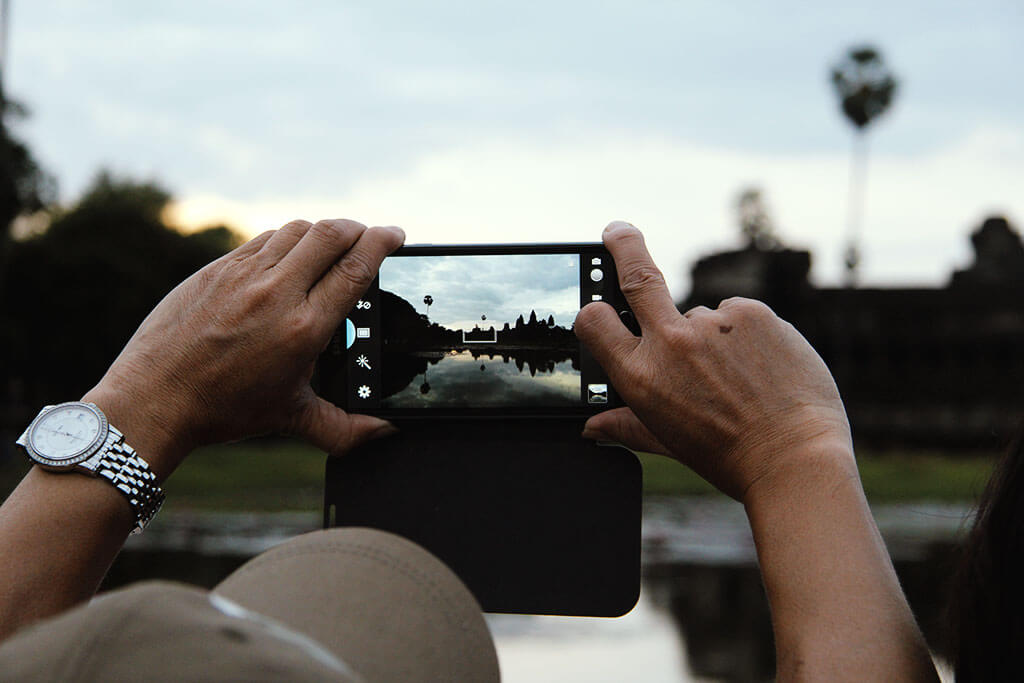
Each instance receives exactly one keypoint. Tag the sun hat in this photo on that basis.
(350, 604)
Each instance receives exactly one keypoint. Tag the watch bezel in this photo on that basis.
(80, 455)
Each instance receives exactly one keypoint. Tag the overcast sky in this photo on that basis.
(538, 121)
(464, 288)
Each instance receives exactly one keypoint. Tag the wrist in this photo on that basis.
(152, 427)
(802, 472)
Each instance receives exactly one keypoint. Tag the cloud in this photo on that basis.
(920, 208)
(464, 288)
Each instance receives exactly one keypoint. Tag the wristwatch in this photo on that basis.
(76, 437)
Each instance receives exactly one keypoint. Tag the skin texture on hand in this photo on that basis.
(229, 352)
(740, 397)
(727, 392)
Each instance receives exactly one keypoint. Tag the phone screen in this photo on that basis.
(474, 330)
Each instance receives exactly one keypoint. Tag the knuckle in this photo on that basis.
(731, 301)
(326, 232)
(261, 293)
(750, 309)
(696, 311)
(640, 278)
(209, 274)
(302, 327)
(356, 270)
(296, 225)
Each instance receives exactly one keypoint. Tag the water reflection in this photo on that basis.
(495, 377)
(529, 361)
(701, 588)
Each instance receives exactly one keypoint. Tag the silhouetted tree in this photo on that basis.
(755, 223)
(865, 88)
(428, 300)
(24, 186)
(75, 293)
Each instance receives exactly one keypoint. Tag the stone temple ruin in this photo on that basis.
(939, 367)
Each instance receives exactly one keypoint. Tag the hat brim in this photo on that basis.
(385, 606)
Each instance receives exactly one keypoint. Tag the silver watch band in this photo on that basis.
(132, 477)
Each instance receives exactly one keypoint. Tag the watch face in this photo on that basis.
(67, 434)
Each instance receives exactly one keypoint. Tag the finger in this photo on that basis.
(250, 247)
(322, 245)
(639, 278)
(622, 426)
(331, 429)
(600, 329)
(349, 277)
(696, 310)
(283, 240)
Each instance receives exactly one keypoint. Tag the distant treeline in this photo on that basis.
(404, 329)
(72, 295)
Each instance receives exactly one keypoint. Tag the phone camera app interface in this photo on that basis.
(473, 331)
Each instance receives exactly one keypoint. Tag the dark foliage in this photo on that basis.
(24, 186)
(73, 295)
(864, 84)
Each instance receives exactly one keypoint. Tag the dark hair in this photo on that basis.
(987, 600)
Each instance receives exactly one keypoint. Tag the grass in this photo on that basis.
(889, 476)
(277, 475)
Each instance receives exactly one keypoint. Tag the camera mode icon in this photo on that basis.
(597, 393)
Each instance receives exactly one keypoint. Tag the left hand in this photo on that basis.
(735, 393)
(229, 352)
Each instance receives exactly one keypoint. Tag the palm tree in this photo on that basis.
(428, 300)
(865, 88)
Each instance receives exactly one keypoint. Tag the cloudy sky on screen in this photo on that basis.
(538, 121)
(501, 287)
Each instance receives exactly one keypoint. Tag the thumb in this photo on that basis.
(602, 332)
(331, 429)
(622, 426)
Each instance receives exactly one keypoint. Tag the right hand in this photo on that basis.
(230, 351)
(735, 393)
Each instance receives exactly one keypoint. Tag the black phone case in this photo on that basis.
(533, 518)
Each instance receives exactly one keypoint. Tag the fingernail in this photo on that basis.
(615, 226)
(594, 434)
(398, 231)
(386, 429)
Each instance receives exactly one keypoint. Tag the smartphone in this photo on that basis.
(474, 331)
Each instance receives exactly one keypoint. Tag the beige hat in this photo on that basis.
(340, 605)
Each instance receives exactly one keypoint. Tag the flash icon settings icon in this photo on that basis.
(363, 391)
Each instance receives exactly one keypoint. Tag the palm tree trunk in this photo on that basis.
(857, 201)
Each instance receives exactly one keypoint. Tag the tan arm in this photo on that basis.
(837, 608)
(740, 397)
(227, 354)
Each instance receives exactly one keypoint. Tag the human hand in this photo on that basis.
(736, 393)
(229, 352)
